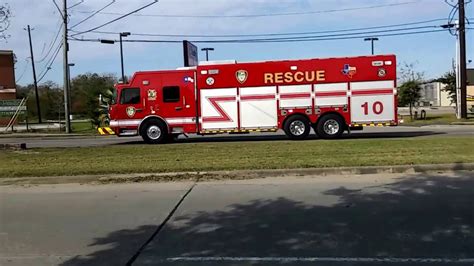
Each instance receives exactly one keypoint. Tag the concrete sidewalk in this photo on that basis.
(396, 219)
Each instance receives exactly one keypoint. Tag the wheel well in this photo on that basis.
(293, 115)
(152, 118)
(334, 113)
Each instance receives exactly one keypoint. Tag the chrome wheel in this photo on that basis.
(153, 132)
(297, 128)
(331, 127)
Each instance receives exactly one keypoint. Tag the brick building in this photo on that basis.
(7, 75)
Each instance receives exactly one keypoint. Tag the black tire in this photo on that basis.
(330, 126)
(154, 132)
(297, 127)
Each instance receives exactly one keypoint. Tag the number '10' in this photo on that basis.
(377, 108)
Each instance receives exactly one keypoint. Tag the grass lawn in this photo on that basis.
(83, 127)
(143, 158)
(434, 119)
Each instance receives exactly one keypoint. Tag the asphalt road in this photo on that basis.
(332, 220)
(370, 132)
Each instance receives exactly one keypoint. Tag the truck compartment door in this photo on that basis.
(219, 109)
(258, 107)
(373, 101)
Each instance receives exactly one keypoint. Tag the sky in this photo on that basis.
(432, 53)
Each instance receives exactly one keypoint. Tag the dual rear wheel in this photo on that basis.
(330, 126)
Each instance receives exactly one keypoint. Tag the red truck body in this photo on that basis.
(331, 95)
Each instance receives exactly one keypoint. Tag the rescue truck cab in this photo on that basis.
(330, 95)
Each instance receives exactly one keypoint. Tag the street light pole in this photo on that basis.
(207, 49)
(122, 34)
(372, 39)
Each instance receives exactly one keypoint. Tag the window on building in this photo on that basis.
(171, 94)
(130, 96)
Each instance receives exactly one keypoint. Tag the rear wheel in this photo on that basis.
(297, 127)
(154, 132)
(330, 126)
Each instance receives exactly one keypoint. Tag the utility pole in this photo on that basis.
(38, 109)
(65, 70)
(462, 58)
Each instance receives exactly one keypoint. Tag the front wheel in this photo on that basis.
(154, 132)
(330, 126)
(297, 127)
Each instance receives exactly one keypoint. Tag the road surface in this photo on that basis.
(333, 220)
(370, 132)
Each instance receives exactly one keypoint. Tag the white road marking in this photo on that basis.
(325, 259)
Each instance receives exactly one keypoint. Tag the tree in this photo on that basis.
(85, 91)
(409, 92)
(449, 79)
(5, 15)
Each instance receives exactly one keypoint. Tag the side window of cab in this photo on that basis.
(130, 96)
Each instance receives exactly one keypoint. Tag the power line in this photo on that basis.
(59, 10)
(53, 42)
(119, 18)
(261, 15)
(273, 34)
(92, 15)
(24, 70)
(365, 33)
(48, 68)
(76, 4)
(274, 40)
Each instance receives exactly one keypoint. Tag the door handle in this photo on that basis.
(138, 110)
(178, 108)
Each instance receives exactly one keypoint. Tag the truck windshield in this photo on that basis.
(113, 99)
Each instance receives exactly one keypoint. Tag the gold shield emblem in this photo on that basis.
(241, 76)
(130, 111)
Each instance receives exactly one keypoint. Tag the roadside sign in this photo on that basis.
(9, 107)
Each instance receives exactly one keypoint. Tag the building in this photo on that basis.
(433, 94)
(7, 75)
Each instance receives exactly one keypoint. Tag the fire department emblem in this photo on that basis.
(151, 95)
(241, 76)
(382, 72)
(130, 111)
(349, 70)
(210, 81)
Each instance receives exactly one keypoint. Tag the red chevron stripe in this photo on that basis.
(224, 117)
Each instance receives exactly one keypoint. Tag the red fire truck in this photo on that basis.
(330, 95)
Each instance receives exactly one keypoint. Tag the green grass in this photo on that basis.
(235, 155)
(434, 119)
(83, 127)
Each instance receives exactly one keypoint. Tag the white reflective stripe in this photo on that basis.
(180, 120)
(125, 123)
(370, 85)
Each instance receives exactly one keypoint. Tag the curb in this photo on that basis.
(39, 135)
(237, 174)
